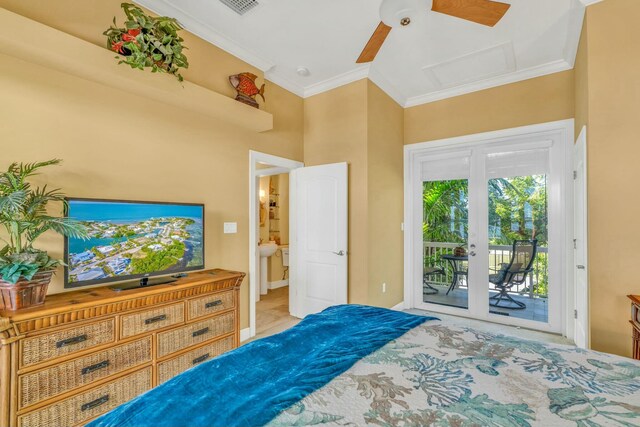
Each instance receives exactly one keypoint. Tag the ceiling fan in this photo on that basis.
(399, 13)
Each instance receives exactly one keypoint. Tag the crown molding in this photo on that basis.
(387, 87)
(359, 73)
(274, 75)
(200, 29)
(526, 74)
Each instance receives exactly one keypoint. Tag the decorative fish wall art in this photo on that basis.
(245, 86)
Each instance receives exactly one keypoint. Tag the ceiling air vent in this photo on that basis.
(241, 6)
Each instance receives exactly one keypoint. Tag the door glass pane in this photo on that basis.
(445, 230)
(518, 247)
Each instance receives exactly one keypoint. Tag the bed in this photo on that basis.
(357, 365)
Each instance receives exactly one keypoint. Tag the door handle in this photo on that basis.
(472, 253)
(580, 267)
(341, 253)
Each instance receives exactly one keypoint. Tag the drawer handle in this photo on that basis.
(155, 319)
(213, 303)
(71, 341)
(95, 403)
(95, 367)
(201, 359)
(200, 332)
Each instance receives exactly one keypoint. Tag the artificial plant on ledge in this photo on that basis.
(148, 42)
(25, 271)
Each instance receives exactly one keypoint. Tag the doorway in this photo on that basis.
(269, 243)
(273, 312)
(487, 223)
(316, 274)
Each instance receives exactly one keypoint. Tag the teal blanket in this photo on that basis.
(254, 383)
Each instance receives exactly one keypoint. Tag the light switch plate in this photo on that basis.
(230, 227)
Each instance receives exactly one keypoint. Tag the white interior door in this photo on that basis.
(580, 241)
(319, 213)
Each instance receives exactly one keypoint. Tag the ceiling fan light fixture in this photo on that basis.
(400, 13)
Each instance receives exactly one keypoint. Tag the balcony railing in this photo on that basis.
(535, 286)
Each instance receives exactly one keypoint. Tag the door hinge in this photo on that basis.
(575, 174)
(575, 243)
(575, 314)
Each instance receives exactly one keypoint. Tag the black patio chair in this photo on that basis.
(515, 273)
(428, 272)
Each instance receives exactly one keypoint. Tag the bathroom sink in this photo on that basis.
(268, 249)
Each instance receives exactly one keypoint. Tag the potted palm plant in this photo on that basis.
(25, 272)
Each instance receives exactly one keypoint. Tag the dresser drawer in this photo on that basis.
(40, 385)
(177, 365)
(48, 346)
(204, 306)
(84, 406)
(195, 333)
(151, 320)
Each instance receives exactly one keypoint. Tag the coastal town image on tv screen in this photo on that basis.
(133, 239)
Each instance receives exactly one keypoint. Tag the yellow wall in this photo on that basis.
(116, 145)
(581, 83)
(539, 100)
(386, 198)
(209, 66)
(283, 190)
(264, 226)
(363, 126)
(335, 130)
(612, 106)
(280, 184)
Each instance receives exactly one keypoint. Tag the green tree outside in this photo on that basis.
(518, 210)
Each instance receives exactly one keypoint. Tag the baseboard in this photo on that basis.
(245, 334)
(398, 307)
(278, 284)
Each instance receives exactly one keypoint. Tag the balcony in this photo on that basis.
(533, 292)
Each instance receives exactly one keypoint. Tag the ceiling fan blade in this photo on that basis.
(375, 43)
(485, 12)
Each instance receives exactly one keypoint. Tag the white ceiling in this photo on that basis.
(434, 58)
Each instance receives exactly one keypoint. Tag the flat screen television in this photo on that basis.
(133, 240)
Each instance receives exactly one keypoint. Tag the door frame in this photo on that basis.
(279, 165)
(580, 152)
(563, 131)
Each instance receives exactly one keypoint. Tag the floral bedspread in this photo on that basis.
(455, 376)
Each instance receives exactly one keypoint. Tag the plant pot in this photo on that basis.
(25, 293)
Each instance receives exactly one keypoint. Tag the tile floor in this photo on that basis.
(272, 313)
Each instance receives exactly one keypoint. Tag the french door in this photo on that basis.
(488, 230)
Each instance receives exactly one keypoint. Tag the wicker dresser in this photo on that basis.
(635, 324)
(85, 352)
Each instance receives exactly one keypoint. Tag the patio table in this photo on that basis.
(456, 263)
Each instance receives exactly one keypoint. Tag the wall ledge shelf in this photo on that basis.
(33, 42)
